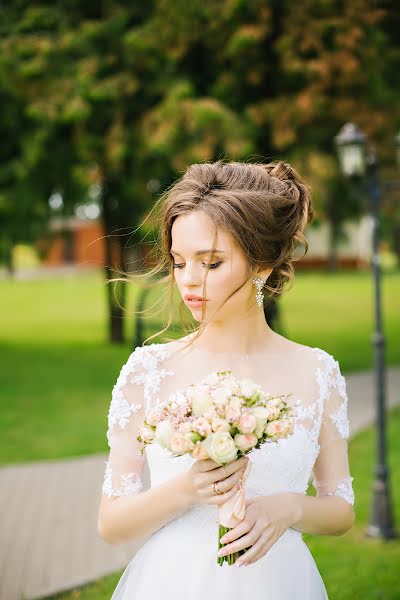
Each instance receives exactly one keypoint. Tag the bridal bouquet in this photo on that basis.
(222, 418)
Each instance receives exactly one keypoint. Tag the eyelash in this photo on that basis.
(211, 266)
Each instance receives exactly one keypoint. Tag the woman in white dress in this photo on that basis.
(229, 231)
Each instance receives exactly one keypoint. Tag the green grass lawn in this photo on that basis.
(351, 565)
(58, 369)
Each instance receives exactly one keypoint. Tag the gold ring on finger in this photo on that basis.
(216, 488)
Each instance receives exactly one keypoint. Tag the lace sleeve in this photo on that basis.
(132, 396)
(331, 473)
(124, 467)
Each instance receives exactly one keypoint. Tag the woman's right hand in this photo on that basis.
(202, 475)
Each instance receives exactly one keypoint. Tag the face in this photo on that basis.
(194, 232)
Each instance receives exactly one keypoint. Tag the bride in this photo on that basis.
(229, 231)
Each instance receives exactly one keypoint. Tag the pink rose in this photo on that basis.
(220, 425)
(202, 426)
(180, 443)
(247, 423)
(279, 429)
(199, 451)
(232, 415)
(245, 442)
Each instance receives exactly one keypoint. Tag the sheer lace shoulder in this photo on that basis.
(133, 393)
(331, 474)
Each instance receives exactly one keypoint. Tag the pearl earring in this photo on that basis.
(259, 283)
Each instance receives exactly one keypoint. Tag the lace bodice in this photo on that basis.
(317, 450)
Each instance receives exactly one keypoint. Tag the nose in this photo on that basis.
(191, 276)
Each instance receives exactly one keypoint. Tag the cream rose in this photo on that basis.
(221, 447)
(147, 434)
(164, 431)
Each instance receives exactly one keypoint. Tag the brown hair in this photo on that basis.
(265, 207)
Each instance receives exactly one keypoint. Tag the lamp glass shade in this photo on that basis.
(352, 160)
(350, 144)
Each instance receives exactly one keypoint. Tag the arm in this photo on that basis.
(331, 512)
(321, 516)
(141, 515)
(126, 511)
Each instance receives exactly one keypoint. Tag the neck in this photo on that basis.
(240, 335)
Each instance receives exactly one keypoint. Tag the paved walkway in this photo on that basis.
(48, 531)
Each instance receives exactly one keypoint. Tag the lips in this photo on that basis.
(193, 297)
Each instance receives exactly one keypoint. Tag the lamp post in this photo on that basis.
(359, 163)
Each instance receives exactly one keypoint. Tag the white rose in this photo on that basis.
(249, 388)
(164, 431)
(201, 401)
(221, 395)
(261, 414)
(236, 403)
(233, 386)
(221, 447)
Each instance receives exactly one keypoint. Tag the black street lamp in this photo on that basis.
(358, 162)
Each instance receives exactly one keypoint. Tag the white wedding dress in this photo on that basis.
(179, 561)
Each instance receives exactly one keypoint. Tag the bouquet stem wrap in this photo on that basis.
(230, 514)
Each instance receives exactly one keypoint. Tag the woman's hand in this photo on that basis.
(266, 519)
(200, 479)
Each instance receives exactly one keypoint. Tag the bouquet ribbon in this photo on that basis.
(233, 510)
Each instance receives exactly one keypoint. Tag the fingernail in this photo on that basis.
(238, 564)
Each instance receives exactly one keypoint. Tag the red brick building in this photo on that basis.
(73, 241)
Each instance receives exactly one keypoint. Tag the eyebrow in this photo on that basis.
(198, 252)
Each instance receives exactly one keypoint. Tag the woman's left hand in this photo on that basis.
(266, 519)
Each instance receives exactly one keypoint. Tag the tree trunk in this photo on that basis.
(116, 292)
(9, 259)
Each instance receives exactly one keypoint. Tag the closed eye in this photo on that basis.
(210, 266)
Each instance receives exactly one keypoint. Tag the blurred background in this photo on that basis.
(103, 106)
